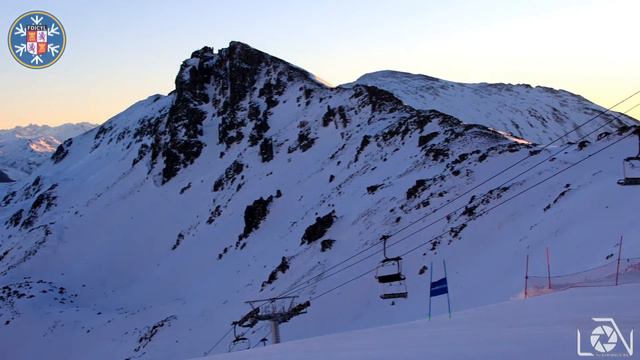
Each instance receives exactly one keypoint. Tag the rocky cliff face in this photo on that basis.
(239, 86)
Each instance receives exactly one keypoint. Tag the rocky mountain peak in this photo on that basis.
(239, 85)
(234, 69)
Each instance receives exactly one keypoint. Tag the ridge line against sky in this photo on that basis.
(120, 52)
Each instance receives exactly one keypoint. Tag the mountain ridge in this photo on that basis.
(540, 114)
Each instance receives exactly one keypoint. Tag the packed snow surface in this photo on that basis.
(544, 327)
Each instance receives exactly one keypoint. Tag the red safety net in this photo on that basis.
(604, 275)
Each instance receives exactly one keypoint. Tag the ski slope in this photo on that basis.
(536, 328)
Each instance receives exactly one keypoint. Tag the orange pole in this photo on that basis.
(618, 266)
(526, 276)
(548, 270)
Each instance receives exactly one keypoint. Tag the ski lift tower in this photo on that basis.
(277, 310)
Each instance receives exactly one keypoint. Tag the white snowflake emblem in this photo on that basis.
(37, 39)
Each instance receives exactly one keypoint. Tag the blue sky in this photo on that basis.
(119, 52)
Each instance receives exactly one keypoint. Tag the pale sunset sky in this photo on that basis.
(119, 52)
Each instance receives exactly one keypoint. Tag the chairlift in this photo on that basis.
(239, 342)
(389, 275)
(631, 169)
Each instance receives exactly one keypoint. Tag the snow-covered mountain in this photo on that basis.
(24, 148)
(539, 114)
(144, 237)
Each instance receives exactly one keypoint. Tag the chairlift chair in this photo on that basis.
(389, 275)
(264, 341)
(390, 270)
(631, 169)
(239, 342)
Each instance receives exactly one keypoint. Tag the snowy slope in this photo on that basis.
(538, 328)
(142, 238)
(539, 114)
(24, 148)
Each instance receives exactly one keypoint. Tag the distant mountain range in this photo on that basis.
(24, 148)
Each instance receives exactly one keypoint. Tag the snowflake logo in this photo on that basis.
(37, 39)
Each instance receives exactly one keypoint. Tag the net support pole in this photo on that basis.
(548, 270)
(618, 265)
(444, 266)
(430, 281)
(526, 275)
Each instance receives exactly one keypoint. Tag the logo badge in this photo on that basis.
(604, 340)
(37, 39)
